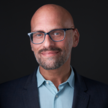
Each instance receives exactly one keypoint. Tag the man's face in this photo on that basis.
(50, 54)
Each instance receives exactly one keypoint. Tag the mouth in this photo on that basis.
(50, 53)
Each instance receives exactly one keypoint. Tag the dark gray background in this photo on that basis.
(90, 58)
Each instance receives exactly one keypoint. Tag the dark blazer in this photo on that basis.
(23, 93)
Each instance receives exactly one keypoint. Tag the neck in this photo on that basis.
(57, 76)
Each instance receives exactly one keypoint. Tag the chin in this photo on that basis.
(50, 65)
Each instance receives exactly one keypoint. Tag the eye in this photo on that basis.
(38, 35)
(56, 33)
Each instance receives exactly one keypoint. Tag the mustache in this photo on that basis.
(50, 49)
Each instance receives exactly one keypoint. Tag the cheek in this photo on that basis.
(69, 45)
(69, 41)
(35, 49)
(66, 46)
(61, 45)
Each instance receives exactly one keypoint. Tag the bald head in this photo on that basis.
(51, 13)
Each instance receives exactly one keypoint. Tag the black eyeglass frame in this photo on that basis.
(48, 33)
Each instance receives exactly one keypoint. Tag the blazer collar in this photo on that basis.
(30, 92)
(81, 98)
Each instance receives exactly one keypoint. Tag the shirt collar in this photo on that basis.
(41, 79)
(71, 78)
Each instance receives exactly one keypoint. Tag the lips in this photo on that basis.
(49, 53)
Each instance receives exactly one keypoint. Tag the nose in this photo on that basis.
(48, 42)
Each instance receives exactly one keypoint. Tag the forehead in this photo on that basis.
(46, 26)
(47, 21)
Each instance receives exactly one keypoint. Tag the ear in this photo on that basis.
(76, 36)
(31, 46)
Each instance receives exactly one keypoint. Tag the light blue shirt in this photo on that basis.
(50, 97)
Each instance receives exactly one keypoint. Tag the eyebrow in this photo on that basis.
(38, 30)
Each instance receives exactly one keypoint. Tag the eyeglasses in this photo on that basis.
(56, 35)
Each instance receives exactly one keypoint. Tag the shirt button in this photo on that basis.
(47, 82)
(56, 96)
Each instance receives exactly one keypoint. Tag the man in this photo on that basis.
(54, 84)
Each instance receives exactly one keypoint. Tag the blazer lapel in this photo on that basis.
(81, 98)
(30, 92)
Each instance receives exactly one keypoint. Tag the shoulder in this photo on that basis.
(20, 82)
(13, 91)
(89, 85)
(96, 88)
(17, 84)
(97, 91)
(93, 83)
(14, 84)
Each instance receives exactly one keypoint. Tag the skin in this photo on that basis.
(47, 18)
